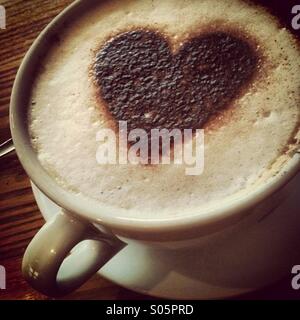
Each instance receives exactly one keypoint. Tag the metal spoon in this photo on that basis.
(6, 147)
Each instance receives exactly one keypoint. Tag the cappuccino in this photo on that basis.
(226, 66)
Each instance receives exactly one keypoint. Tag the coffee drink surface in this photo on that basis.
(226, 66)
(137, 75)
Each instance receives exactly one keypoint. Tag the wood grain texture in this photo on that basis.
(20, 218)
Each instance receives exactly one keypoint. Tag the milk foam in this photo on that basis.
(242, 148)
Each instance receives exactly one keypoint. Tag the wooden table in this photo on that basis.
(20, 218)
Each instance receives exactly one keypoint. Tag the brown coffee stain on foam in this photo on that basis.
(227, 113)
(259, 79)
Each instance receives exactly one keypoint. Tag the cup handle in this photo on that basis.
(52, 268)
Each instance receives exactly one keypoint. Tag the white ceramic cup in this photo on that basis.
(48, 265)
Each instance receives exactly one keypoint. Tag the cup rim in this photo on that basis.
(225, 212)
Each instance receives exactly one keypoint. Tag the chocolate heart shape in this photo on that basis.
(143, 83)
